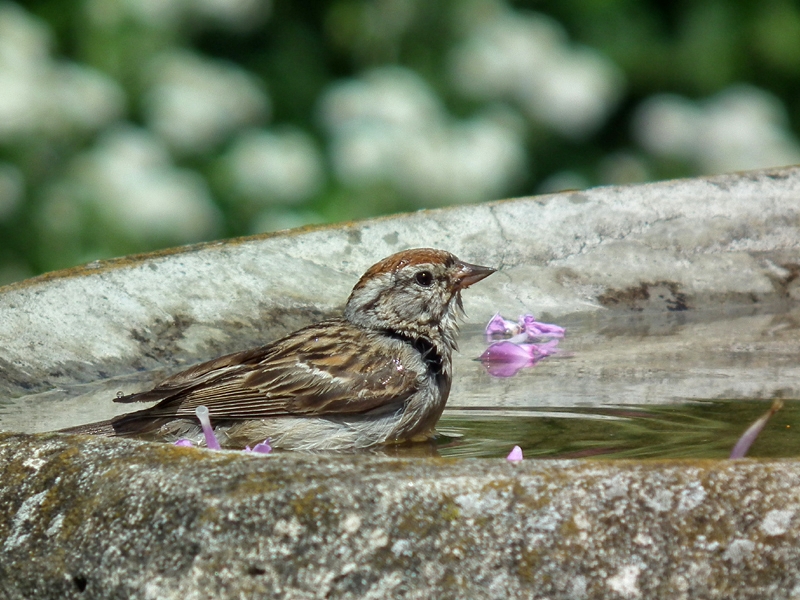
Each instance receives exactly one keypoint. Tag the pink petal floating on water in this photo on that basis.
(749, 436)
(208, 431)
(262, 448)
(184, 443)
(545, 349)
(498, 326)
(526, 326)
(515, 455)
(534, 328)
(504, 359)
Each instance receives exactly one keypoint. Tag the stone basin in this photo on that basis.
(671, 292)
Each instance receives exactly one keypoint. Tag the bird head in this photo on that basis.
(416, 293)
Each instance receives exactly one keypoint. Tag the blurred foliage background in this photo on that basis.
(131, 125)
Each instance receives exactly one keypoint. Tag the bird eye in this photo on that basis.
(424, 278)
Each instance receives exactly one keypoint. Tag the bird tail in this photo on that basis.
(130, 425)
(100, 428)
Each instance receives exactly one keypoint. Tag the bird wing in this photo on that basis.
(307, 372)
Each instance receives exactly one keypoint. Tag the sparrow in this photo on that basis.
(379, 374)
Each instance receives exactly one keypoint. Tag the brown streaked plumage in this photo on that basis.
(379, 374)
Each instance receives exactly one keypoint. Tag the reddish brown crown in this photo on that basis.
(415, 256)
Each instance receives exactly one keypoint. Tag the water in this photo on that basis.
(671, 385)
(704, 429)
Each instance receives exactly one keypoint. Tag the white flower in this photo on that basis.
(275, 166)
(740, 128)
(667, 125)
(24, 39)
(504, 51)
(528, 58)
(389, 127)
(574, 92)
(129, 179)
(465, 162)
(746, 128)
(391, 96)
(40, 96)
(195, 103)
(86, 98)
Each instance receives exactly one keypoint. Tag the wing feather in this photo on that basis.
(306, 372)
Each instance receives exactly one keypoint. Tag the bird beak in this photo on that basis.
(469, 274)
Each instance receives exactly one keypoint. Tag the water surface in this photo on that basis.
(630, 385)
(703, 429)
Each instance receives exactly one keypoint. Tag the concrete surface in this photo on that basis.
(120, 519)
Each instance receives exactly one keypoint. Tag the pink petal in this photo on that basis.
(262, 448)
(495, 325)
(208, 431)
(506, 352)
(498, 326)
(504, 359)
(536, 329)
(520, 338)
(184, 443)
(515, 455)
(749, 436)
(539, 351)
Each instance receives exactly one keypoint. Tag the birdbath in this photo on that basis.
(679, 298)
